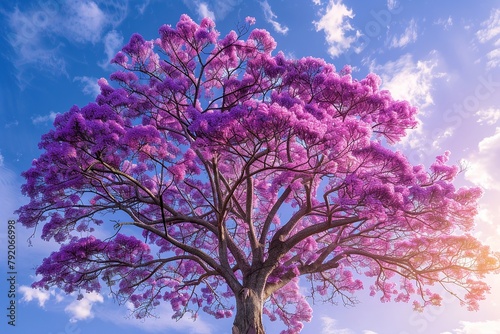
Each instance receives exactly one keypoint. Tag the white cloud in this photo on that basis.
(82, 309)
(493, 58)
(446, 23)
(204, 11)
(409, 36)
(335, 23)
(392, 4)
(90, 86)
(329, 327)
(483, 165)
(480, 327)
(271, 18)
(30, 294)
(488, 116)
(45, 118)
(161, 324)
(491, 28)
(113, 42)
(491, 33)
(42, 296)
(410, 80)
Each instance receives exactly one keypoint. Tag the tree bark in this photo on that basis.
(248, 318)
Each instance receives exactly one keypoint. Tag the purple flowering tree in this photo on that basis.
(241, 171)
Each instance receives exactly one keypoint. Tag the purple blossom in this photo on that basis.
(235, 172)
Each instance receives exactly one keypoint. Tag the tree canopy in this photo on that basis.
(240, 171)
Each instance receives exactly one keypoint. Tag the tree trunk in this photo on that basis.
(248, 318)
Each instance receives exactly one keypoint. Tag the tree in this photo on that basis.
(240, 171)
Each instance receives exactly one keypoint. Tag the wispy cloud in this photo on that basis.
(44, 118)
(218, 8)
(37, 34)
(142, 7)
(30, 46)
(487, 220)
(392, 4)
(223, 7)
(204, 11)
(445, 23)
(117, 11)
(162, 324)
(490, 33)
(90, 86)
(409, 79)
(491, 27)
(337, 28)
(85, 22)
(482, 327)
(412, 80)
(408, 36)
(330, 327)
(113, 42)
(11, 124)
(271, 18)
(482, 166)
(488, 116)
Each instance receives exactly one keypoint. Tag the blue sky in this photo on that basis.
(444, 57)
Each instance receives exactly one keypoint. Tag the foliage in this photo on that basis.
(244, 171)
